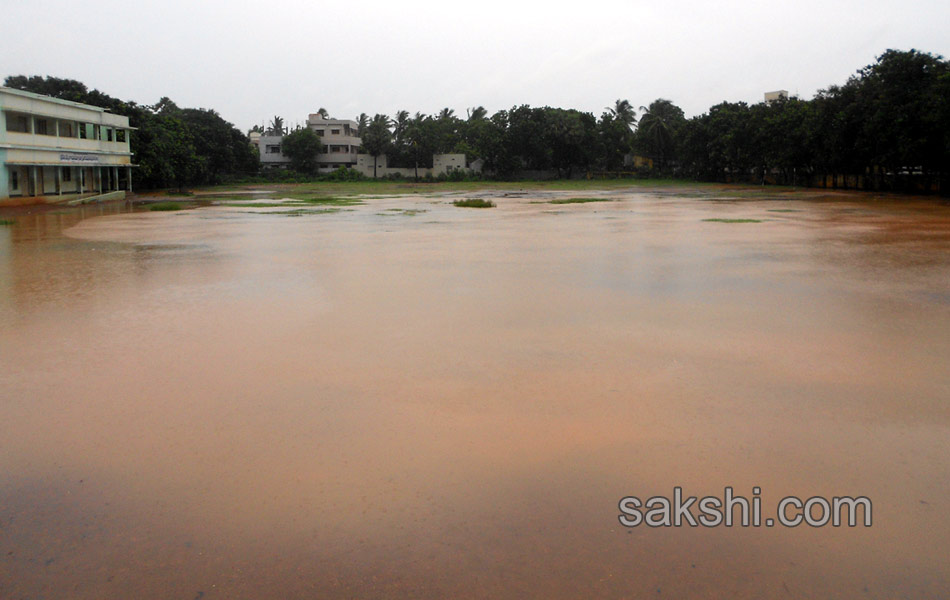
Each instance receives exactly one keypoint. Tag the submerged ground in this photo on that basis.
(393, 396)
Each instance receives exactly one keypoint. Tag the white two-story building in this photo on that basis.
(340, 144)
(54, 150)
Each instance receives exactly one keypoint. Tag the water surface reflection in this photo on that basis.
(227, 403)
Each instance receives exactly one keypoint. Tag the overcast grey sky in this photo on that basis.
(252, 60)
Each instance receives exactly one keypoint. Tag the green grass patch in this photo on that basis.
(299, 212)
(406, 212)
(7, 221)
(579, 200)
(323, 200)
(255, 204)
(474, 203)
(732, 220)
(166, 206)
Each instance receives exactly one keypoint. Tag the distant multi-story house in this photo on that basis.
(340, 144)
(54, 150)
(776, 95)
(340, 138)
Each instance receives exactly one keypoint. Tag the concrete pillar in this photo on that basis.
(115, 179)
(59, 174)
(129, 186)
(33, 182)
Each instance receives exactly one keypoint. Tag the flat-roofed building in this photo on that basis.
(776, 95)
(54, 150)
(340, 138)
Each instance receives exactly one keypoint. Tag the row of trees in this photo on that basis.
(173, 146)
(890, 123)
(887, 126)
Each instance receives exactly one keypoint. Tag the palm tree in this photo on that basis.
(323, 113)
(623, 111)
(377, 138)
(657, 124)
(477, 114)
(276, 126)
(361, 122)
(400, 123)
(446, 113)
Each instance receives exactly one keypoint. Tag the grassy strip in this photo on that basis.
(255, 204)
(408, 212)
(382, 188)
(732, 220)
(323, 200)
(163, 206)
(579, 200)
(298, 212)
(474, 203)
(7, 221)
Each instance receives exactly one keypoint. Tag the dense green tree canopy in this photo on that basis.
(888, 124)
(171, 146)
(301, 147)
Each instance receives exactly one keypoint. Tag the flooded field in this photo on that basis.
(406, 398)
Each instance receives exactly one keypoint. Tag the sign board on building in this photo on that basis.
(71, 157)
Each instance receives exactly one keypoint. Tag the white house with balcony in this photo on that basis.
(340, 141)
(54, 150)
(340, 144)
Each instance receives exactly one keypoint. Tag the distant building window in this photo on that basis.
(83, 130)
(108, 135)
(96, 132)
(120, 135)
(17, 123)
(320, 132)
(67, 174)
(42, 126)
(275, 149)
(335, 132)
(14, 179)
(65, 129)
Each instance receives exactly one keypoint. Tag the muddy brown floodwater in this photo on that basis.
(232, 402)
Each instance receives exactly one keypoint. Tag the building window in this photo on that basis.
(272, 149)
(334, 132)
(42, 126)
(15, 179)
(17, 123)
(65, 129)
(67, 174)
(320, 132)
(96, 132)
(83, 130)
(120, 136)
(108, 135)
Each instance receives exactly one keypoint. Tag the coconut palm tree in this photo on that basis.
(276, 126)
(400, 123)
(377, 138)
(477, 114)
(361, 122)
(446, 113)
(657, 125)
(623, 111)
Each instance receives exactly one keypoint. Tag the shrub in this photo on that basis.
(163, 206)
(474, 203)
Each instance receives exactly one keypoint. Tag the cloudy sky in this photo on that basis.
(252, 60)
